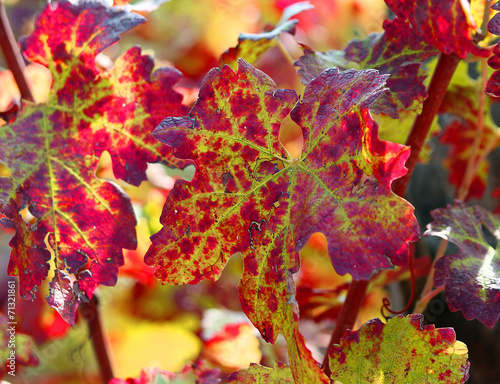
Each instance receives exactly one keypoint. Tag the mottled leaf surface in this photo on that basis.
(471, 276)
(259, 374)
(52, 151)
(444, 24)
(461, 132)
(397, 51)
(248, 196)
(401, 351)
(251, 46)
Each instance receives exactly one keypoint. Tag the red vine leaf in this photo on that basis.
(248, 197)
(251, 46)
(52, 151)
(444, 24)
(471, 276)
(401, 351)
(398, 51)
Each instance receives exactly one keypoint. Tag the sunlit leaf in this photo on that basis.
(471, 276)
(401, 351)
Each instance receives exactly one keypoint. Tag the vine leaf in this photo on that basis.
(471, 276)
(397, 51)
(453, 35)
(258, 374)
(249, 196)
(401, 351)
(52, 151)
(251, 46)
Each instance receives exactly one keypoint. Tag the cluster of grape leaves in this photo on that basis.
(248, 195)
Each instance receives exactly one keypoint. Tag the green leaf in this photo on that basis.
(401, 351)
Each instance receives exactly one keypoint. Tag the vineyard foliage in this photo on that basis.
(255, 194)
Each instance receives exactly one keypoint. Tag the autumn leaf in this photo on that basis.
(471, 276)
(52, 151)
(445, 24)
(251, 46)
(248, 197)
(401, 351)
(397, 51)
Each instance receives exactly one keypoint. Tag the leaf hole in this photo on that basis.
(4, 170)
(490, 238)
(28, 218)
(291, 137)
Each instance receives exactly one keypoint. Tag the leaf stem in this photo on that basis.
(90, 312)
(416, 139)
(347, 317)
(426, 296)
(13, 55)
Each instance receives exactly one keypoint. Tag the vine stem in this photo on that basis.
(13, 55)
(416, 139)
(89, 311)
